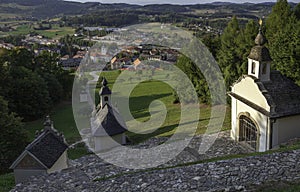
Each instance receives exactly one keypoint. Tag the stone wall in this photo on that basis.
(226, 175)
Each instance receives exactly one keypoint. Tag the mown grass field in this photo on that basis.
(140, 99)
(55, 33)
(146, 92)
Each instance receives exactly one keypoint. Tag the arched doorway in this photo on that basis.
(248, 132)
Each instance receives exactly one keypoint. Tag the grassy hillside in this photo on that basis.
(51, 8)
(55, 32)
(148, 91)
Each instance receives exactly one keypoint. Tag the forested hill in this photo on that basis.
(42, 8)
(51, 8)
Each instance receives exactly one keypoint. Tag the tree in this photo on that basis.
(4, 68)
(283, 31)
(227, 56)
(196, 77)
(212, 42)
(13, 137)
(28, 94)
(236, 44)
(46, 62)
(278, 19)
(297, 11)
(245, 42)
(21, 57)
(55, 89)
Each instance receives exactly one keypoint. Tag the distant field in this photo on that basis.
(17, 6)
(56, 32)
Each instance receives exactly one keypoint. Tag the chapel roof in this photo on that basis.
(47, 147)
(109, 119)
(260, 52)
(281, 93)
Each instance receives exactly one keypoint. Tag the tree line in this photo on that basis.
(29, 88)
(231, 49)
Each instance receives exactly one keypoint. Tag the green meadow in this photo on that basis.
(146, 92)
(140, 99)
(55, 32)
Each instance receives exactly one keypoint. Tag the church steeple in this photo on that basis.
(259, 60)
(105, 94)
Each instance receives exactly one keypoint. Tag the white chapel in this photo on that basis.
(107, 125)
(265, 103)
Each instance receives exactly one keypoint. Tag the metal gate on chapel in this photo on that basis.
(248, 132)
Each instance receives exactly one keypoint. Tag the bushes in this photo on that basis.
(13, 137)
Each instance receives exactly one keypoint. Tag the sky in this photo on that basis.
(181, 2)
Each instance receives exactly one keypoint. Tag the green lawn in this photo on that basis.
(63, 119)
(56, 32)
(148, 91)
(7, 182)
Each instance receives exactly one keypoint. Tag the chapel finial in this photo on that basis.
(260, 22)
(48, 122)
(260, 38)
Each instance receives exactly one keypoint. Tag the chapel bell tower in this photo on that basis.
(259, 60)
(105, 94)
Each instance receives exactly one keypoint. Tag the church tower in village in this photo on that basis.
(259, 60)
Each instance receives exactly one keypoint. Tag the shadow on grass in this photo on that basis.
(138, 138)
(139, 105)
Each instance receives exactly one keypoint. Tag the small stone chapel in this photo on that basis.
(265, 104)
(107, 126)
(46, 154)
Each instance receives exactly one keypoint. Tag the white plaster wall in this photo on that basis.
(259, 70)
(285, 129)
(248, 89)
(233, 119)
(83, 97)
(250, 63)
(106, 142)
(260, 119)
(61, 163)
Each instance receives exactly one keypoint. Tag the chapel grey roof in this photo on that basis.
(110, 120)
(283, 94)
(105, 91)
(48, 146)
(260, 52)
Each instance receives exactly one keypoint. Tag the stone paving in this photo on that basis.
(227, 175)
